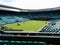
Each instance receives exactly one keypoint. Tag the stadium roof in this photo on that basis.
(9, 8)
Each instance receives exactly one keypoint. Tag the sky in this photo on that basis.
(32, 4)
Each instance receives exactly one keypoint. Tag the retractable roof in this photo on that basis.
(9, 8)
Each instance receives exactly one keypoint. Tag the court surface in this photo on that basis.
(31, 25)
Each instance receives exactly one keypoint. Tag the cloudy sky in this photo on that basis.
(31, 4)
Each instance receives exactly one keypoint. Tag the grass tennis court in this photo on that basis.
(31, 25)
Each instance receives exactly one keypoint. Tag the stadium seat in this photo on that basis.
(2, 22)
(20, 18)
(6, 42)
(52, 28)
(9, 20)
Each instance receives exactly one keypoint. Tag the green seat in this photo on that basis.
(21, 43)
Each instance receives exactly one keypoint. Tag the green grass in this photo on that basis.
(31, 25)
